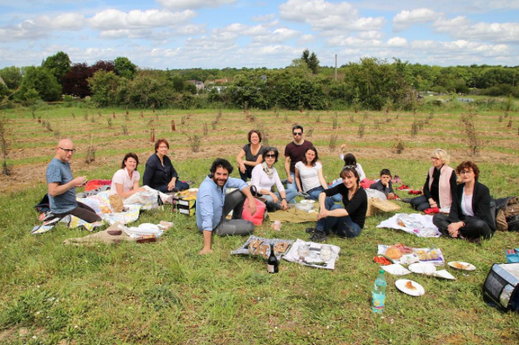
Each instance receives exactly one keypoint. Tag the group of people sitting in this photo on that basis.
(470, 214)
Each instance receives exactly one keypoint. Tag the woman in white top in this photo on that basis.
(264, 176)
(309, 174)
(126, 180)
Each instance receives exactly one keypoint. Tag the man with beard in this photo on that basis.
(213, 204)
(294, 152)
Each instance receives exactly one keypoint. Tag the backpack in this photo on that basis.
(507, 217)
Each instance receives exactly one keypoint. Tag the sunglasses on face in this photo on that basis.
(297, 133)
(68, 150)
(270, 156)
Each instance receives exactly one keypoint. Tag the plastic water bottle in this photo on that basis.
(379, 293)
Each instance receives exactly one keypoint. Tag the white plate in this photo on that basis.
(444, 274)
(422, 268)
(307, 201)
(396, 269)
(460, 265)
(400, 284)
(192, 190)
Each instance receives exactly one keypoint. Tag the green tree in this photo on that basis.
(125, 68)
(311, 61)
(58, 65)
(12, 77)
(104, 87)
(41, 80)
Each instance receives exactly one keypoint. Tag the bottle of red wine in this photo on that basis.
(272, 261)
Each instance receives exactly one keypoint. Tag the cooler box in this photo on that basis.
(183, 206)
(502, 286)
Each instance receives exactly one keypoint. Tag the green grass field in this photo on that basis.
(165, 293)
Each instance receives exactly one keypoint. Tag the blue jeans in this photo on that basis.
(342, 226)
(336, 197)
(291, 189)
(277, 206)
(179, 186)
(420, 203)
(314, 193)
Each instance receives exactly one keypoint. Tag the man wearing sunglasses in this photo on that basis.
(62, 185)
(294, 153)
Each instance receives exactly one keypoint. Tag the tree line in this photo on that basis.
(370, 83)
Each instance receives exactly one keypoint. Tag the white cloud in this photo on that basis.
(369, 35)
(327, 16)
(405, 19)
(180, 4)
(277, 36)
(461, 28)
(113, 19)
(353, 41)
(191, 29)
(397, 42)
(264, 18)
(306, 39)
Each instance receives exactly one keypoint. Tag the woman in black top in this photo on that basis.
(250, 155)
(347, 221)
(160, 173)
(471, 211)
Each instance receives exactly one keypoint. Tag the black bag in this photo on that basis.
(513, 223)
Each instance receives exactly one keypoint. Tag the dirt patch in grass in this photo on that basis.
(31, 154)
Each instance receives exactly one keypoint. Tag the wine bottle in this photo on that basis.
(272, 261)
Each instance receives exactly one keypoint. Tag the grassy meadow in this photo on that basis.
(165, 293)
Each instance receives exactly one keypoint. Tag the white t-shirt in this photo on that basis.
(309, 176)
(260, 179)
(122, 177)
(466, 204)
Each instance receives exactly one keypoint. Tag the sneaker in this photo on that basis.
(310, 230)
(318, 236)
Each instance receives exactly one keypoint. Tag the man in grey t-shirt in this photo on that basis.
(61, 185)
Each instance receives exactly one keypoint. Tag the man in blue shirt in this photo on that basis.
(62, 185)
(213, 204)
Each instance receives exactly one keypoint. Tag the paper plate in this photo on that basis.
(401, 285)
(396, 269)
(422, 268)
(460, 265)
(192, 190)
(444, 274)
(307, 201)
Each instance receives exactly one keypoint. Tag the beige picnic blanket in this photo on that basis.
(100, 237)
(293, 215)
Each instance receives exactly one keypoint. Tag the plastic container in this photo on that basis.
(257, 218)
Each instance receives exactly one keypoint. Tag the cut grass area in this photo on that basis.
(164, 293)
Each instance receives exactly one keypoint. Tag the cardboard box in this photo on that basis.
(183, 206)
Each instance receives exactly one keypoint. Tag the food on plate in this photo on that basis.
(410, 285)
(381, 260)
(393, 253)
(434, 254)
(264, 250)
(423, 255)
(403, 248)
(254, 246)
(280, 247)
(459, 265)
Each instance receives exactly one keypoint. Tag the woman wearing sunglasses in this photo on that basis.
(440, 185)
(347, 221)
(264, 176)
(470, 216)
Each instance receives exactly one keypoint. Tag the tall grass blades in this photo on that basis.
(362, 129)
(206, 131)
(125, 129)
(335, 121)
(310, 132)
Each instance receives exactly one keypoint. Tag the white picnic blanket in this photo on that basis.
(293, 255)
(418, 224)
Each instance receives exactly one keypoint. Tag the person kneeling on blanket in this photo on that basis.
(347, 221)
(62, 186)
(213, 204)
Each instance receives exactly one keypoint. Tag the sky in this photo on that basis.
(179, 34)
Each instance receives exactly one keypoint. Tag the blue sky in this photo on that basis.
(175, 34)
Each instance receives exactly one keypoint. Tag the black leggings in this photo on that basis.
(474, 227)
(82, 211)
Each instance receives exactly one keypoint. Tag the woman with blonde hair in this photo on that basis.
(440, 184)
